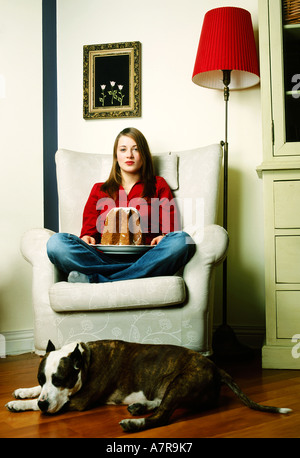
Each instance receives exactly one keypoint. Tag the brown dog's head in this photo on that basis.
(59, 375)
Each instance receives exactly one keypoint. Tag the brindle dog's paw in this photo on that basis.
(14, 406)
(137, 408)
(27, 393)
(20, 393)
(21, 406)
(131, 426)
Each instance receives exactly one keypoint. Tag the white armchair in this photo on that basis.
(175, 310)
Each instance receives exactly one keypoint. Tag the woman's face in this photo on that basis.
(128, 155)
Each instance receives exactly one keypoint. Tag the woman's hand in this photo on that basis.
(88, 239)
(156, 240)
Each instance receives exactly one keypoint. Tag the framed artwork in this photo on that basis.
(112, 80)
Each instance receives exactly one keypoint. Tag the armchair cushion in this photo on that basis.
(131, 294)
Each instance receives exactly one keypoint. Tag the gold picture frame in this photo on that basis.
(112, 80)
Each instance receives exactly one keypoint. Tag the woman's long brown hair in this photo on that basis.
(111, 186)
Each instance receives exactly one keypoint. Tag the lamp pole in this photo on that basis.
(225, 342)
(226, 81)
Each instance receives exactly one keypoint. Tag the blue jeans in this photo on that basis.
(69, 253)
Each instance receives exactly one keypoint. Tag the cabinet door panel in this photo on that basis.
(288, 259)
(288, 314)
(287, 204)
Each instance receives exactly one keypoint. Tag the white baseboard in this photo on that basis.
(16, 342)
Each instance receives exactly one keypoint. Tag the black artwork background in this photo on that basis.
(107, 69)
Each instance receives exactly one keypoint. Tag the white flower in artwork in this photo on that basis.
(116, 94)
(102, 98)
(121, 96)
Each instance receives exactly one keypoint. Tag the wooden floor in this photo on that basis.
(231, 419)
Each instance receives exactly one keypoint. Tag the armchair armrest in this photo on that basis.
(212, 243)
(44, 274)
(211, 248)
(33, 245)
(33, 249)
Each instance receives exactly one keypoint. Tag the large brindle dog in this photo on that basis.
(158, 378)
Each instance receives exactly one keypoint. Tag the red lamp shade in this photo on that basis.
(226, 43)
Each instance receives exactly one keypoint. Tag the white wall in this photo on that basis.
(176, 114)
(21, 173)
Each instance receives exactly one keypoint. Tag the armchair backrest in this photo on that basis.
(192, 175)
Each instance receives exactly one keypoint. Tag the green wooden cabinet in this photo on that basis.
(280, 172)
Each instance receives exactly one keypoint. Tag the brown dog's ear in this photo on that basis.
(76, 358)
(50, 347)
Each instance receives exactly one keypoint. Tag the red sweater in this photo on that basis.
(159, 215)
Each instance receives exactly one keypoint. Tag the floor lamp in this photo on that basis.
(226, 57)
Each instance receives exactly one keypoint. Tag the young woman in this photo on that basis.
(131, 183)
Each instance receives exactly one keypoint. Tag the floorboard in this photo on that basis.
(230, 419)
